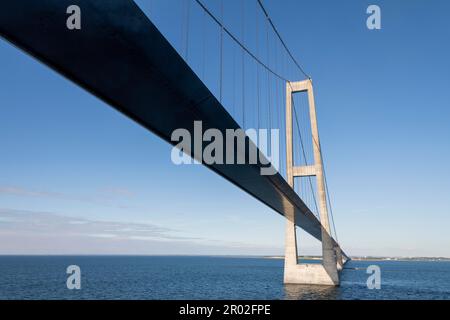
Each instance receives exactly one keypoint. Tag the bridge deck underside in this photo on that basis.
(122, 58)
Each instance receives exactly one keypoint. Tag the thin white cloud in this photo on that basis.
(18, 191)
(108, 197)
(32, 232)
(114, 192)
(32, 222)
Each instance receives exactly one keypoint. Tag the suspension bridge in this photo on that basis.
(229, 72)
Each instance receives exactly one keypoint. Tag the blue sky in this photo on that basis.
(78, 177)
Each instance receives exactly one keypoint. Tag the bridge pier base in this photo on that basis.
(325, 273)
(339, 258)
(308, 273)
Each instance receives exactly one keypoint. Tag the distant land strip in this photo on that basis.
(370, 258)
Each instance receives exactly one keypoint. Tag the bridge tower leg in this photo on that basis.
(327, 272)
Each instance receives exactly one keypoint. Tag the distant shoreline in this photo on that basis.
(370, 258)
(276, 257)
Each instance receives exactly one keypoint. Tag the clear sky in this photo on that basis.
(78, 177)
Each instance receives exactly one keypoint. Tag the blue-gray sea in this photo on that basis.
(178, 277)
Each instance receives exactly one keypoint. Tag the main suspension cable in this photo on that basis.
(281, 40)
(253, 56)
